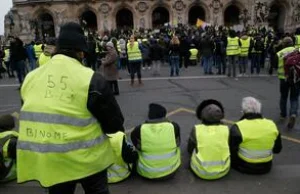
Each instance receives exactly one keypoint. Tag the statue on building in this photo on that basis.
(261, 12)
(216, 5)
(296, 10)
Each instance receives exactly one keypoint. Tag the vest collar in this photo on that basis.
(251, 116)
(160, 120)
(64, 57)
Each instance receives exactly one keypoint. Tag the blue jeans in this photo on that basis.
(32, 64)
(207, 64)
(174, 63)
(255, 62)
(232, 61)
(220, 64)
(243, 64)
(19, 67)
(285, 90)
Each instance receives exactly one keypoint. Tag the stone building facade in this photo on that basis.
(36, 19)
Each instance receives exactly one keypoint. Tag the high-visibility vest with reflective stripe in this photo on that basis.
(281, 54)
(7, 53)
(245, 46)
(38, 50)
(297, 43)
(119, 171)
(43, 59)
(194, 54)
(9, 163)
(211, 159)
(58, 134)
(233, 47)
(259, 137)
(134, 53)
(159, 155)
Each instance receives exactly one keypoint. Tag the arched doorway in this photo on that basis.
(124, 18)
(160, 16)
(231, 15)
(89, 21)
(276, 16)
(46, 26)
(195, 13)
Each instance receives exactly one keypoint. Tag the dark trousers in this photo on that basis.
(95, 184)
(220, 64)
(255, 62)
(114, 87)
(146, 62)
(285, 90)
(19, 67)
(10, 71)
(135, 67)
(124, 63)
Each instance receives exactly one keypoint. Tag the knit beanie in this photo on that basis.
(156, 111)
(72, 37)
(210, 111)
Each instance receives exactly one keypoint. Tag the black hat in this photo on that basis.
(7, 123)
(156, 111)
(206, 103)
(71, 36)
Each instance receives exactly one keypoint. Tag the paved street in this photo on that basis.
(181, 97)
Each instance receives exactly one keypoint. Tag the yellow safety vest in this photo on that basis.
(43, 59)
(233, 47)
(58, 134)
(281, 54)
(259, 136)
(194, 54)
(119, 171)
(245, 46)
(7, 53)
(211, 159)
(159, 155)
(38, 50)
(297, 43)
(134, 53)
(8, 162)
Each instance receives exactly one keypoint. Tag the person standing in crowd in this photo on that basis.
(174, 54)
(18, 56)
(49, 50)
(64, 122)
(244, 56)
(125, 158)
(297, 38)
(7, 62)
(123, 54)
(158, 145)
(208, 143)
(233, 45)
(134, 60)
(38, 49)
(145, 49)
(184, 51)
(206, 50)
(8, 144)
(109, 64)
(91, 57)
(31, 55)
(156, 56)
(257, 49)
(220, 52)
(253, 140)
(287, 88)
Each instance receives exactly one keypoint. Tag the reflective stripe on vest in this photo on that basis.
(60, 148)
(134, 52)
(259, 137)
(157, 170)
(194, 53)
(233, 47)
(211, 159)
(55, 119)
(115, 172)
(159, 157)
(281, 54)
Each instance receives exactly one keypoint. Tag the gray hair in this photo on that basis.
(251, 105)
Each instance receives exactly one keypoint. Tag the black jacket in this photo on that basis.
(236, 139)
(136, 133)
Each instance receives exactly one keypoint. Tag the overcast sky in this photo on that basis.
(5, 5)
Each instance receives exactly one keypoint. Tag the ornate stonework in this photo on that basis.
(24, 19)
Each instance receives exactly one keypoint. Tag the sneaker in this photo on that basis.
(143, 68)
(292, 122)
(149, 68)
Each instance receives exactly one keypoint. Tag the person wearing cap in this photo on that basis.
(110, 70)
(158, 144)
(253, 140)
(48, 51)
(208, 143)
(64, 122)
(126, 156)
(286, 88)
(134, 60)
(8, 142)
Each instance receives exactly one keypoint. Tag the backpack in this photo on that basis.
(292, 67)
(259, 45)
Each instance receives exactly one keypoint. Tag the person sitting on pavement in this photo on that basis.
(253, 140)
(157, 141)
(125, 157)
(209, 142)
(8, 142)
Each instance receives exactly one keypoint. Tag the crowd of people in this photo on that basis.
(71, 126)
